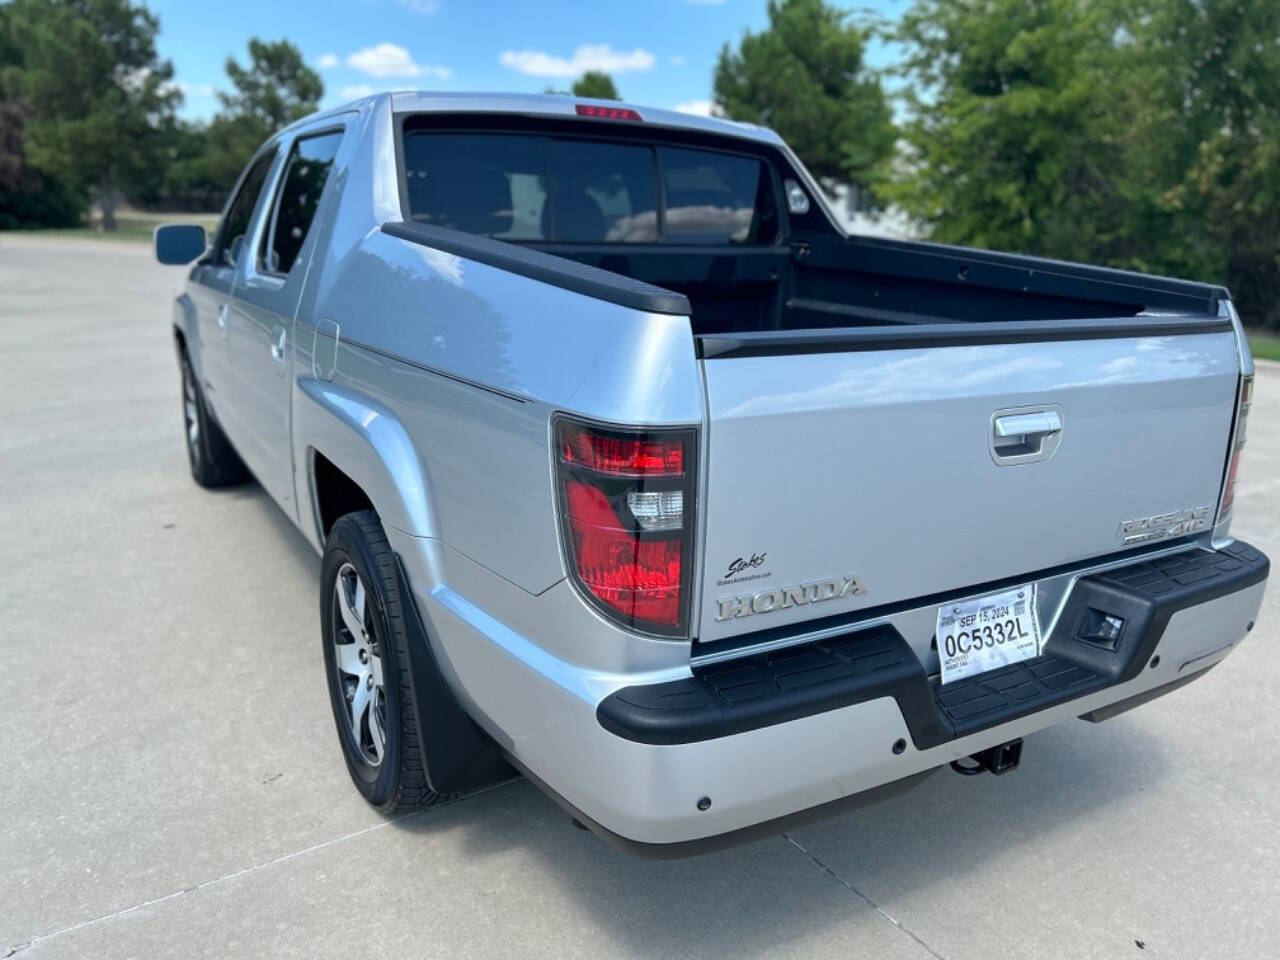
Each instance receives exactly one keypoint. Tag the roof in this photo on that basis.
(551, 105)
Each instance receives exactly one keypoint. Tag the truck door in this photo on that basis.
(214, 279)
(268, 288)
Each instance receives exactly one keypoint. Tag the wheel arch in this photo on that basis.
(358, 455)
(184, 321)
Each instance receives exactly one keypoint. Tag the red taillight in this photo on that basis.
(622, 456)
(638, 578)
(627, 518)
(1243, 402)
(607, 113)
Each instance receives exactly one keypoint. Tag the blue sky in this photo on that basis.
(660, 52)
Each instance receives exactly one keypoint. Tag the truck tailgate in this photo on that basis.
(847, 476)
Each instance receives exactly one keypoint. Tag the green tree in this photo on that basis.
(1204, 173)
(1135, 133)
(1018, 122)
(805, 77)
(275, 89)
(28, 197)
(186, 184)
(596, 85)
(96, 90)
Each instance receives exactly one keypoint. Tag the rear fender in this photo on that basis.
(366, 441)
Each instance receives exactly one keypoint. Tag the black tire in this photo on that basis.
(397, 781)
(214, 463)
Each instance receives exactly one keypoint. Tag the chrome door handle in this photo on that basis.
(1028, 424)
(222, 319)
(277, 347)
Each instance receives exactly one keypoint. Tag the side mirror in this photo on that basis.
(179, 243)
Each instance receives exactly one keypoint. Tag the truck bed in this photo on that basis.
(824, 282)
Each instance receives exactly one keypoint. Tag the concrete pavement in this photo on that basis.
(172, 785)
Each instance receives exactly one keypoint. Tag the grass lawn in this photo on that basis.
(131, 225)
(1265, 346)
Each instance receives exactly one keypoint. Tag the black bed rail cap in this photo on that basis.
(557, 271)
(956, 333)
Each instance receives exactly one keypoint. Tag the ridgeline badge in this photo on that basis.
(1162, 526)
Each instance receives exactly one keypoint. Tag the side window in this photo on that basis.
(236, 223)
(303, 182)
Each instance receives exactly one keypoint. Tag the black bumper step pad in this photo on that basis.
(998, 696)
(759, 690)
(755, 691)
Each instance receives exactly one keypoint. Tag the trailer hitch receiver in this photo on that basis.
(998, 759)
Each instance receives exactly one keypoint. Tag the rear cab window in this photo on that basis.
(714, 198)
(531, 188)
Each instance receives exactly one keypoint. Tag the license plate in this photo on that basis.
(978, 635)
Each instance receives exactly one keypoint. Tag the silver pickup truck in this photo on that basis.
(634, 473)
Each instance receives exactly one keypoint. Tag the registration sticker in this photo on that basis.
(988, 632)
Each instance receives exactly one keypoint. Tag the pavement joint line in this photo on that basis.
(867, 900)
(252, 868)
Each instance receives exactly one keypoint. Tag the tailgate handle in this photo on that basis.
(1025, 435)
(1028, 424)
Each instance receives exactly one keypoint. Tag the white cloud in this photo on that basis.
(701, 108)
(390, 60)
(186, 89)
(355, 91)
(327, 61)
(196, 89)
(590, 56)
(424, 7)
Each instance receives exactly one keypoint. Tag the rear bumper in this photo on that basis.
(696, 762)
(753, 692)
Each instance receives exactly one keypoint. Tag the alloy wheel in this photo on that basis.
(358, 658)
(191, 414)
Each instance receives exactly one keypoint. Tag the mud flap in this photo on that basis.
(457, 754)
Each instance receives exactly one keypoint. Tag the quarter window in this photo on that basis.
(302, 185)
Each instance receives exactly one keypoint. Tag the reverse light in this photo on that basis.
(626, 517)
(1243, 402)
(607, 113)
(657, 509)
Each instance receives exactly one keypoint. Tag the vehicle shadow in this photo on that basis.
(770, 896)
